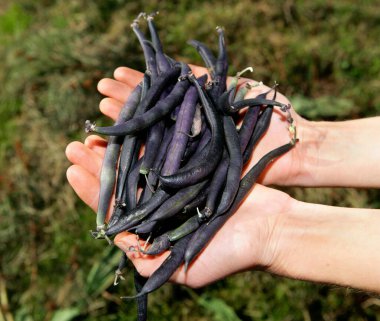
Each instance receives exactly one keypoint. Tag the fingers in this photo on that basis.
(145, 264)
(114, 89)
(84, 184)
(81, 155)
(128, 76)
(110, 107)
(117, 90)
(84, 174)
(96, 144)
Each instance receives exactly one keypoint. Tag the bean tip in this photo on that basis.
(118, 276)
(186, 266)
(89, 126)
(141, 15)
(151, 15)
(100, 233)
(250, 69)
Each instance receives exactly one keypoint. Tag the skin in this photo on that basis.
(271, 230)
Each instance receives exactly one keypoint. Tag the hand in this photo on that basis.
(282, 172)
(250, 226)
(270, 230)
(243, 243)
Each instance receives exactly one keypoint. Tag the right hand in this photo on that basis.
(283, 171)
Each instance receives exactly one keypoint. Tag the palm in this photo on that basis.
(241, 243)
(246, 232)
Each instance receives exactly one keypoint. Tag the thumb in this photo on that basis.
(145, 264)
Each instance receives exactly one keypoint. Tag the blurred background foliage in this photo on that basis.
(324, 54)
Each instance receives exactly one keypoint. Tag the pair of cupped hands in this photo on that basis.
(246, 240)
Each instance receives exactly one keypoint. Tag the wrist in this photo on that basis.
(327, 244)
(313, 153)
(307, 152)
(263, 215)
(334, 153)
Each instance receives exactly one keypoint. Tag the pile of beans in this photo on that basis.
(175, 156)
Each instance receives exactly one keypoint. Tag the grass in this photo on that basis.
(326, 57)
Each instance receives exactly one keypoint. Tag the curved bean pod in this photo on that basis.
(141, 301)
(206, 231)
(260, 128)
(249, 121)
(199, 172)
(108, 171)
(206, 54)
(216, 186)
(181, 131)
(234, 167)
(177, 202)
(163, 63)
(133, 217)
(155, 114)
(149, 53)
(162, 243)
(237, 105)
(152, 145)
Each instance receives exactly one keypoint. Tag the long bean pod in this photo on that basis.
(206, 54)
(146, 227)
(206, 231)
(196, 144)
(149, 53)
(201, 171)
(153, 115)
(152, 145)
(154, 92)
(163, 63)
(108, 171)
(131, 147)
(141, 301)
(221, 66)
(235, 164)
(177, 202)
(162, 242)
(184, 229)
(258, 101)
(198, 201)
(159, 160)
(260, 128)
(250, 118)
(216, 186)
(181, 132)
(138, 213)
(126, 201)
